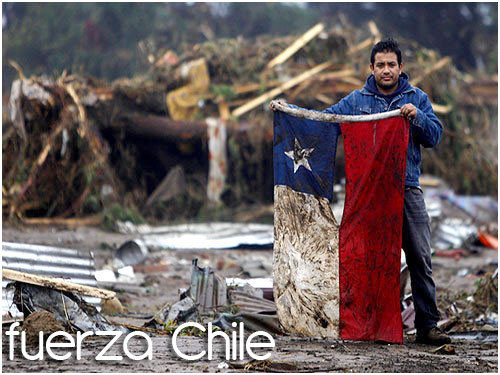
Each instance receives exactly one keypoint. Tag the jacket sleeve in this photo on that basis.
(426, 125)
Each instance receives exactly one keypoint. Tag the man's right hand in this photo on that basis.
(280, 102)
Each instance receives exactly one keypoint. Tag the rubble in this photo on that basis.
(73, 266)
(75, 146)
(208, 94)
(70, 310)
(211, 235)
(40, 321)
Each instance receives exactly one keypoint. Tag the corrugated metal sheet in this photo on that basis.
(66, 264)
(251, 304)
(202, 236)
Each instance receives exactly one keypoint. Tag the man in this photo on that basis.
(386, 89)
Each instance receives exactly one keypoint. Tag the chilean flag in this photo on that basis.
(331, 280)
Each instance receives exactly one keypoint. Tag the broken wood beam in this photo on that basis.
(325, 99)
(439, 65)
(374, 30)
(338, 74)
(361, 46)
(71, 222)
(53, 283)
(297, 45)
(441, 109)
(250, 87)
(274, 92)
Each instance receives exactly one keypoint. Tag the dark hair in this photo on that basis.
(386, 45)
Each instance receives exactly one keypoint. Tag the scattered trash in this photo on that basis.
(267, 366)
(250, 303)
(105, 275)
(257, 268)
(444, 349)
(207, 289)
(263, 283)
(126, 275)
(222, 365)
(251, 321)
(488, 240)
(483, 336)
(131, 253)
(74, 266)
(457, 254)
(207, 292)
(479, 208)
(70, 310)
(452, 234)
(408, 316)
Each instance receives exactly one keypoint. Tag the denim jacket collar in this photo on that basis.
(364, 91)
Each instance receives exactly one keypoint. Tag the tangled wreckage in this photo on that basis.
(192, 130)
(193, 135)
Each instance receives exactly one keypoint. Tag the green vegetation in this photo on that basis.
(119, 213)
(111, 40)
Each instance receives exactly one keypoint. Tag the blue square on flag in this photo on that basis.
(304, 154)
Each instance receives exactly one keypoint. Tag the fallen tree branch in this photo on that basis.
(52, 283)
(330, 117)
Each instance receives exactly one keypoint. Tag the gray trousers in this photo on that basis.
(417, 247)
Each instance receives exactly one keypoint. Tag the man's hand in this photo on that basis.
(273, 108)
(409, 111)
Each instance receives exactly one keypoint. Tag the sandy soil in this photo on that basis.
(291, 354)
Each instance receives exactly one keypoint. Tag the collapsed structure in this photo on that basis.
(195, 128)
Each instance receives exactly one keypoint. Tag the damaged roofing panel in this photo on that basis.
(203, 236)
(67, 264)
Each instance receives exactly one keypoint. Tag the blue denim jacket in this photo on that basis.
(425, 129)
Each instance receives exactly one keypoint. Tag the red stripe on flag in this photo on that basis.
(371, 228)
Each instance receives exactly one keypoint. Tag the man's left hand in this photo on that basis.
(409, 111)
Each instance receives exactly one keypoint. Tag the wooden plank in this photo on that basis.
(250, 87)
(441, 109)
(374, 30)
(325, 99)
(295, 46)
(440, 64)
(71, 222)
(360, 46)
(274, 92)
(52, 283)
(338, 74)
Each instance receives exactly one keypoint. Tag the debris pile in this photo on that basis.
(75, 146)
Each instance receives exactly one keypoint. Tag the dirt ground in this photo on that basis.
(166, 271)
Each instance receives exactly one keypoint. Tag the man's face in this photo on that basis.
(386, 70)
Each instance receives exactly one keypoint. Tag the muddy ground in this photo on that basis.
(167, 271)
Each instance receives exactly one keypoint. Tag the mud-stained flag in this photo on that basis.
(330, 280)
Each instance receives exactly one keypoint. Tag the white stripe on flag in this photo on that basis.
(306, 264)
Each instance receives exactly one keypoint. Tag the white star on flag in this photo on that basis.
(300, 156)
